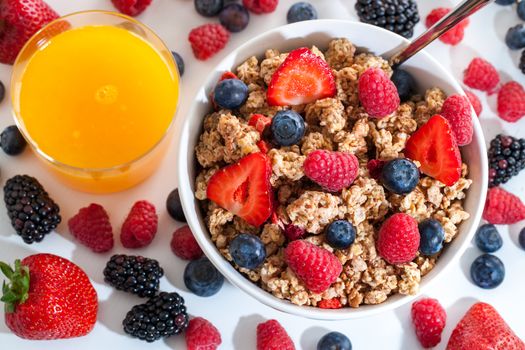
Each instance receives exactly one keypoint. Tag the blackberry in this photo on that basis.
(161, 316)
(522, 60)
(506, 159)
(133, 274)
(398, 16)
(32, 212)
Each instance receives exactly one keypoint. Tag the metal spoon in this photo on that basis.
(462, 11)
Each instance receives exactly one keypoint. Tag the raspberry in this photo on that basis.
(332, 170)
(227, 75)
(429, 319)
(184, 245)
(481, 75)
(293, 232)
(333, 303)
(375, 167)
(511, 102)
(131, 7)
(92, 228)
(475, 102)
(316, 267)
(503, 207)
(454, 35)
(260, 6)
(398, 239)
(202, 335)
(140, 227)
(208, 39)
(377, 93)
(272, 336)
(457, 110)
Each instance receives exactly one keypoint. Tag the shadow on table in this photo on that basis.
(311, 336)
(113, 310)
(244, 336)
(466, 260)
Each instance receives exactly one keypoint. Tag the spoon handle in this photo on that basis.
(462, 11)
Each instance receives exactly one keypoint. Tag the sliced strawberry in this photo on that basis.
(433, 145)
(228, 75)
(259, 122)
(244, 188)
(302, 78)
(263, 146)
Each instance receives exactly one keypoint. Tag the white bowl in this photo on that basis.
(428, 73)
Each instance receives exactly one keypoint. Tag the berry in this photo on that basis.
(429, 319)
(398, 16)
(331, 170)
(301, 11)
(180, 62)
(293, 232)
(11, 141)
(32, 212)
(184, 245)
(405, 84)
(201, 334)
(230, 93)
(475, 102)
(208, 8)
(398, 239)
(481, 75)
(375, 168)
(234, 17)
(340, 234)
(488, 238)
(454, 35)
(521, 10)
(140, 227)
(334, 340)
(503, 207)
(434, 147)
(202, 278)
(432, 236)
(92, 228)
(400, 176)
(287, 128)
(263, 146)
(315, 266)
(272, 336)
(522, 57)
(260, 6)
(487, 271)
(505, 2)
(247, 251)
(208, 39)
(521, 238)
(506, 159)
(244, 188)
(511, 102)
(2, 91)
(457, 110)
(161, 316)
(131, 7)
(333, 303)
(302, 78)
(260, 122)
(377, 93)
(515, 37)
(174, 206)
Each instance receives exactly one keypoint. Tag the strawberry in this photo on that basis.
(333, 303)
(302, 78)
(48, 297)
(244, 188)
(433, 145)
(259, 122)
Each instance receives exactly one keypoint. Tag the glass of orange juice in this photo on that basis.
(95, 94)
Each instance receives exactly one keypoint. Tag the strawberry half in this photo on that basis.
(302, 78)
(244, 188)
(433, 145)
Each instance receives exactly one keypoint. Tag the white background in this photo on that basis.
(235, 314)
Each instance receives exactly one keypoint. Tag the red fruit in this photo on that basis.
(481, 75)
(264, 147)
(333, 303)
(201, 334)
(272, 336)
(259, 122)
(302, 78)
(20, 19)
(332, 170)
(398, 239)
(434, 147)
(260, 6)
(131, 7)
(475, 102)
(227, 75)
(184, 245)
(48, 297)
(315, 266)
(244, 188)
(482, 328)
(454, 35)
(208, 39)
(140, 226)
(511, 102)
(293, 232)
(375, 167)
(429, 319)
(377, 93)
(92, 228)
(502, 207)
(458, 112)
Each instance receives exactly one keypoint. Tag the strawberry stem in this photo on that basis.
(16, 290)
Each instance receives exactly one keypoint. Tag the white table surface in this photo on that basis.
(235, 314)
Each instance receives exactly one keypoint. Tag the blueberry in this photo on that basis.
(515, 37)
(521, 10)
(432, 235)
(400, 176)
(287, 128)
(334, 341)
(230, 93)
(340, 234)
(179, 61)
(521, 238)
(174, 206)
(301, 11)
(488, 239)
(208, 8)
(234, 17)
(505, 2)
(12, 141)
(202, 278)
(487, 271)
(405, 84)
(247, 251)
(2, 91)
